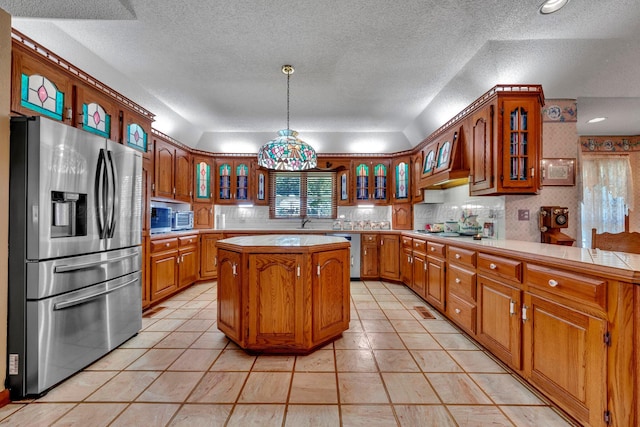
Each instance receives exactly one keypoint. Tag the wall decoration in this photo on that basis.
(558, 172)
(611, 144)
(560, 110)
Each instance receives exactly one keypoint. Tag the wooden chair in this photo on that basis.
(620, 242)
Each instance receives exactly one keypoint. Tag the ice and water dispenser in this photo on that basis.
(68, 214)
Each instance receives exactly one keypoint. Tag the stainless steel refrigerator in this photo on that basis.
(74, 251)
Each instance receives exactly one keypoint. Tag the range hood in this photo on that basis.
(443, 164)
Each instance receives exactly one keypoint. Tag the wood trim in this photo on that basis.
(4, 398)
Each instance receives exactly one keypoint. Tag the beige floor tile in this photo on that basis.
(504, 389)
(218, 387)
(363, 298)
(274, 363)
(156, 359)
(352, 341)
(409, 388)
(395, 361)
(474, 416)
(371, 314)
(366, 305)
(171, 387)
(312, 416)
(318, 361)
(435, 361)
(182, 313)
(534, 416)
(37, 414)
(165, 325)
(313, 387)
(233, 360)
(9, 409)
(476, 361)
(195, 359)
(196, 325)
(355, 325)
(435, 326)
(377, 326)
(457, 388)
(178, 340)
(78, 387)
(362, 387)
(355, 361)
(424, 416)
(145, 339)
(91, 414)
(379, 290)
(385, 297)
(402, 314)
(391, 305)
(117, 360)
(405, 325)
(197, 304)
(257, 415)
(213, 340)
(454, 342)
(367, 416)
(266, 387)
(146, 414)
(385, 340)
(192, 415)
(147, 321)
(124, 387)
(206, 313)
(419, 341)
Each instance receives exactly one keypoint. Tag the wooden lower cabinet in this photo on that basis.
(330, 298)
(419, 273)
(406, 267)
(230, 294)
(164, 273)
(369, 257)
(436, 267)
(389, 256)
(209, 255)
(173, 264)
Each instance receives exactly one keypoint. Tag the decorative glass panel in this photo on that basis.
(402, 180)
(260, 194)
(443, 154)
(40, 94)
(136, 137)
(429, 162)
(344, 189)
(380, 173)
(242, 182)
(225, 181)
(518, 145)
(362, 182)
(96, 120)
(203, 171)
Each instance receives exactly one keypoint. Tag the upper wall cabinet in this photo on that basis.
(260, 184)
(203, 179)
(96, 113)
(416, 175)
(136, 132)
(401, 180)
(443, 164)
(233, 181)
(371, 181)
(173, 171)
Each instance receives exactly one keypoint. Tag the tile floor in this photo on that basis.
(391, 368)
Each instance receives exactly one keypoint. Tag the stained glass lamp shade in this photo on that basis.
(287, 153)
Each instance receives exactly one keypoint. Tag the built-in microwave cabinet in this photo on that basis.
(372, 183)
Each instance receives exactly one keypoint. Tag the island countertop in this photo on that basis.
(283, 240)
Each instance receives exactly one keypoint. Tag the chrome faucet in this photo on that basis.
(303, 221)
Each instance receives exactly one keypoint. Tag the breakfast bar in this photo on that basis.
(283, 293)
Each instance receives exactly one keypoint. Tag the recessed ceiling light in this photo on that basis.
(550, 6)
(597, 119)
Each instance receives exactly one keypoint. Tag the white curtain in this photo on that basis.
(607, 194)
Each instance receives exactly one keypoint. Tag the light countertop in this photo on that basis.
(283, 240)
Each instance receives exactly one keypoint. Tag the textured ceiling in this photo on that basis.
(370, 75)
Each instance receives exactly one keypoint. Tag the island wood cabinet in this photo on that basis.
(283, 299)
(369, 257)
(209, 255)
(172, 171)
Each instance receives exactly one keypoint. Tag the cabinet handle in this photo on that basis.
(493, 266)
(524, 313)
(424, 266)
(298, 270)
(234, 270)
(553, 283)
(381, 242)
(215, 261)
(365, 252)
(351, 261)
(458, 256)
(174, 191)
(457, 310)
(533, 172)
(178, 260)
(458, 280)
(512, 307)
(318, 270)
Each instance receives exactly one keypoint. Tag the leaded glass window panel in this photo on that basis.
(96, 120)
(41, 95)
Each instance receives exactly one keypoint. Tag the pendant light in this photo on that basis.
(286, 152)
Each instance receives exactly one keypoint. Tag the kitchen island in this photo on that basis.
(283, 293)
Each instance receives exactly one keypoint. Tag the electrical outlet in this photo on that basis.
(523, 214)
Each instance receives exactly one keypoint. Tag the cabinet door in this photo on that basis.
(402, 216)
(371, 182)
(520, 140)
(261, 185)
(330, 294)
(389, 256)
(147, 185)
(182, 175)
(230, 291)
(406, 267)
(276, 296)
(436, 283)
(482, 173)
(202, 179)
(97, 113)
(416, 174)
(136, 131)
(232, 182)
(369, 264)
(343, 182)
(401, 180)
(188, 266)
(419, 265)
(203, 215)
(566, 357)
(146, 291)
(164, 274)
(209, 256)
(499, 323)
(164, 160)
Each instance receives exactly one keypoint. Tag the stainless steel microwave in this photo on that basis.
(182, 220)
(160, 219)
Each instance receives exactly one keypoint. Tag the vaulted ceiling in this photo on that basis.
(371, 75)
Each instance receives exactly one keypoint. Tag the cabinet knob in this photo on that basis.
(457, 310)
(553, 283)
(433, 249)
(493, 266)
(458, 280)
(458, 256)
(166, 244)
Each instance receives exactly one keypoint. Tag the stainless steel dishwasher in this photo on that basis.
(354, 251)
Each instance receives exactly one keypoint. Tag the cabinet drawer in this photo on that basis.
(462, 312)
(420, 246)
(503, 267)
(187, 240)
(369, 238)
(462, 283)
(435, 249)
(407, 242)
(164, 244)
(461, 256)
(574, 287)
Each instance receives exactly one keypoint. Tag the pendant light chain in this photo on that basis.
(288, 76)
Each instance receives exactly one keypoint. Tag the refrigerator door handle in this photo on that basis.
(100, 194)
(114, 201)
(83, 266)
(78, 301)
